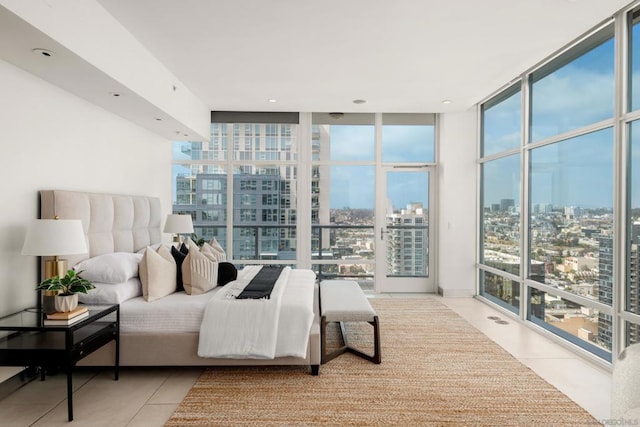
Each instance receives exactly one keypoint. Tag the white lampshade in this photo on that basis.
(54, 237)
(178, 224)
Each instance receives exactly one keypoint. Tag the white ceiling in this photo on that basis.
(400, 55)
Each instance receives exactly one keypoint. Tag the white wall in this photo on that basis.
(109, 59)
(457, 196)
(51, 139)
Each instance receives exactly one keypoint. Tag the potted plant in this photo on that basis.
(197, 240)
(67, 288)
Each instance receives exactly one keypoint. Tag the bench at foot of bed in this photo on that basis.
(343, 301)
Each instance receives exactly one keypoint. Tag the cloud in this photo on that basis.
(408, 143)
(501, 180)
(351, 186)
(407, 187)
(502, 124)
(352, 142)
(575, 172)
(562, 102)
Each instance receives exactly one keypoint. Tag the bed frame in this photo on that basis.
(124, 223)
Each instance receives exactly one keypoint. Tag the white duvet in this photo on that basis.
(259, 329)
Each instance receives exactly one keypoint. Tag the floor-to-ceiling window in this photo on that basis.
(241, 186)
(500, 199)
(343, 197)
(268, 197)
(548, 164)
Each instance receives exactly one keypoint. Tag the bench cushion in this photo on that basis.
(344, 301)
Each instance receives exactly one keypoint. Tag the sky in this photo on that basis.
(353, 186)
(577, 171)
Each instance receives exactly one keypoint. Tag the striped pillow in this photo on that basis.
(199, 272)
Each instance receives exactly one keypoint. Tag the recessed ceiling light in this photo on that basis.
(43, 52)
(158, 119)
(272, 100)
(447, 101)
(116, 94)
(359, 101)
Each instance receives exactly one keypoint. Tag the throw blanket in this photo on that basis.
(245, 328)
(262, 283)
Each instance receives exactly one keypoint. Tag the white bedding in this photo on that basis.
(175, 313)
(260, 329)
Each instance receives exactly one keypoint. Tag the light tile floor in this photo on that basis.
(148, 396)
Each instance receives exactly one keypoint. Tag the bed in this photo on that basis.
(164, 332)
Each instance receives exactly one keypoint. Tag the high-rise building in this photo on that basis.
(633, 292)
(632, 296)
(264, 196)
(507, 204)
(407, 241)
(605, 288)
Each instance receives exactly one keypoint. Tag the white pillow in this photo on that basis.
(116, 267)
(112, 293)
(157, 273)
(199, 272)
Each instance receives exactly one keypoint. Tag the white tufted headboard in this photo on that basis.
(111, 222)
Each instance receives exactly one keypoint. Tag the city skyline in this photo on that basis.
(353, 186)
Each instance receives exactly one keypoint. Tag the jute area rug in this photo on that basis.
(436, 370)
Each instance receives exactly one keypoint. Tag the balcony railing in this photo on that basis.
(350, 246)
(329, 242)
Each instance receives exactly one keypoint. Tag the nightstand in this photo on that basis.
(29, 343)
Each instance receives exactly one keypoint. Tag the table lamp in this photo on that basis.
(178, 224)
(53, 238)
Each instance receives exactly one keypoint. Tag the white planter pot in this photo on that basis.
(66, 303)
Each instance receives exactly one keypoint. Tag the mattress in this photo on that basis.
(174, 313)
(179, 312)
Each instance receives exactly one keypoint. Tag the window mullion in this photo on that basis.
(524, 197)
(303, 221)
(230, 176)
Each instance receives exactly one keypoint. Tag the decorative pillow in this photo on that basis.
(199, 272)
(227, 272)
(116, 267)
(189, 244)
(179, 256)
(184, 249)
(217, 247)
(157, 273)
(211, 252)
(155, 247)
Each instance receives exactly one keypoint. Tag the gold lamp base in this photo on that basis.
(52, 268)
(55, 267)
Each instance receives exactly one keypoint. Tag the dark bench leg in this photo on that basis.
(377, 353)
(323, 342)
